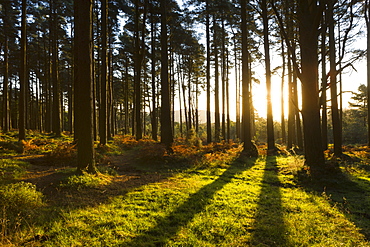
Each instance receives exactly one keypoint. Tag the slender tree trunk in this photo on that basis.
(83, 86)
(324, 84)
(291, 115)
(228, 122)
(5, 88)
(217, 93)
(367, 18)
(246, 115)
(103, 119)
(270, 120)
(23, 75)
(283, 131)
(208, 76)
(297, 115)
(237, 91)
(166, 128)
(223, 80)
(56, 118)
(333, 83)
(154, 104)
(189, 101)
(137, 57)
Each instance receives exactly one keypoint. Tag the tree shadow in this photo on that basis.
(168, 226)
(269, 228)
(347, 193)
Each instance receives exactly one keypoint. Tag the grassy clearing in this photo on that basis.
(246, 204)
(217, 200)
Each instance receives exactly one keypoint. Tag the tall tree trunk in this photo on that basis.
(83, 86)
(283, 131)
(103, 118)
(270, 120)
(291, 107)
(296, 112)
(154, 104)
(5, 87)
(237, 91)
(228, 122)
(324, 84)
(137, 57)
(56, 118)
(23, 75)
(223, 80)
(309, 19)
(189, 101)
(367, 18)
(166, 128)
(217, 94)
(208, 75)
(246, 112)
(333, 83)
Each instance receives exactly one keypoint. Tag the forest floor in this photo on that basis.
(197, 196)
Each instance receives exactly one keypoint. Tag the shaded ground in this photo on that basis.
(47, 178)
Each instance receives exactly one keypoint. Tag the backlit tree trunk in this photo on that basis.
(83, 86)
(103, 132)
(333, 84)
(23, 75)
(309, 18)
(270, 120)
(208, 79)
(246, 109)
(166, 129)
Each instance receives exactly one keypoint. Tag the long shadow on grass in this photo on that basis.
(168, 226)
(347, 193)
(269, 227)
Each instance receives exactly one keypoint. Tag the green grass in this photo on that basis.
(12, 169)
(255, 203)
(216, 200)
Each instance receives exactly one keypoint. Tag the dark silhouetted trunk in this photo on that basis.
(337, 133)
(83, 86)
(166, 129)
(309, 19)
(270, 120)
(208, 75)
(23, 75)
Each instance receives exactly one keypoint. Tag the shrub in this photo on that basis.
(10, 169)
(152, 154)
(83, 181)
(64, 153)
(18, 203)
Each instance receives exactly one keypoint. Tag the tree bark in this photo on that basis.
(166, 128)
(103, 119)
(283, 130)
(333, 84)
(270, 120)
(246, 110)
(83, 86)
(5, 87)
(309, 17)
(324, 84)
(56, 118)
(154, 104)
(367, 18)
(217, 83)
(208, 76)
(23, 75)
